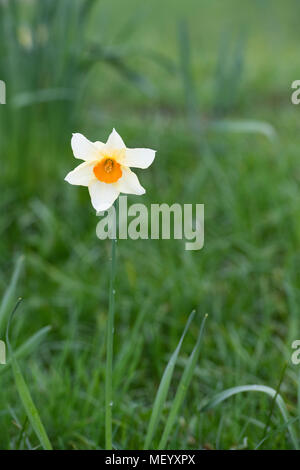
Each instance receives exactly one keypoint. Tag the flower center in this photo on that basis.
(108, 165)
(107, 170)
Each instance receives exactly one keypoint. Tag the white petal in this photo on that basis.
(129, 183)
(115, 141)
(139, 158)
(83, 148)
(82, 175)
(102, 195)
(99, 145)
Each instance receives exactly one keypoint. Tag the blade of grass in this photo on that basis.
(244, 126)
(22, 434)
(164, 387)
(229, 73)
(128, 349)
(298, 397)
(24, 393)
(46, 95)
(109, 350)
(17, 423)
(220, 397)
(188, 82)
(182, 387)
(28, 345)
(277, 431)
(6, 304)
(268, 422)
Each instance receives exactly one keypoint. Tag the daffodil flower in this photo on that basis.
(106, 168)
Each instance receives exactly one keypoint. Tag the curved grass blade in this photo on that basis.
(28, 345)
(24, 393)
(164, 387)
(6, 304)
(29, 98)
(245, 126)
(220, 397)
(182, 388)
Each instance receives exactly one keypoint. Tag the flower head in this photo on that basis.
(106, 168)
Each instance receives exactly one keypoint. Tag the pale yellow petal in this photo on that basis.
(82, 175)
(102, 195)
(139, 158)
(83, 148)
(129, 183)
(115, 141)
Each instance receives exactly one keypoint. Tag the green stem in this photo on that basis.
(109, 350)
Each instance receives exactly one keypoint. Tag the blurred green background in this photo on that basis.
(208, 85)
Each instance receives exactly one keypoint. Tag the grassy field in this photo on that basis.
(207, 84)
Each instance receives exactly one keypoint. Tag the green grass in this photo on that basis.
(194, 81)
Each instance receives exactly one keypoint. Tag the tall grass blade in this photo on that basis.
(164, 387)
(186, 71)
(6, 304)
(298, 397)
(24, 393)
(268, 422)
(229, 72)
(128, 350)
(182, 387)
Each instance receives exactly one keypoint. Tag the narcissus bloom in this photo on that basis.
(106, 168)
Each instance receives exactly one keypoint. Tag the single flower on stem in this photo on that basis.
(106, 168)
(106, 172)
